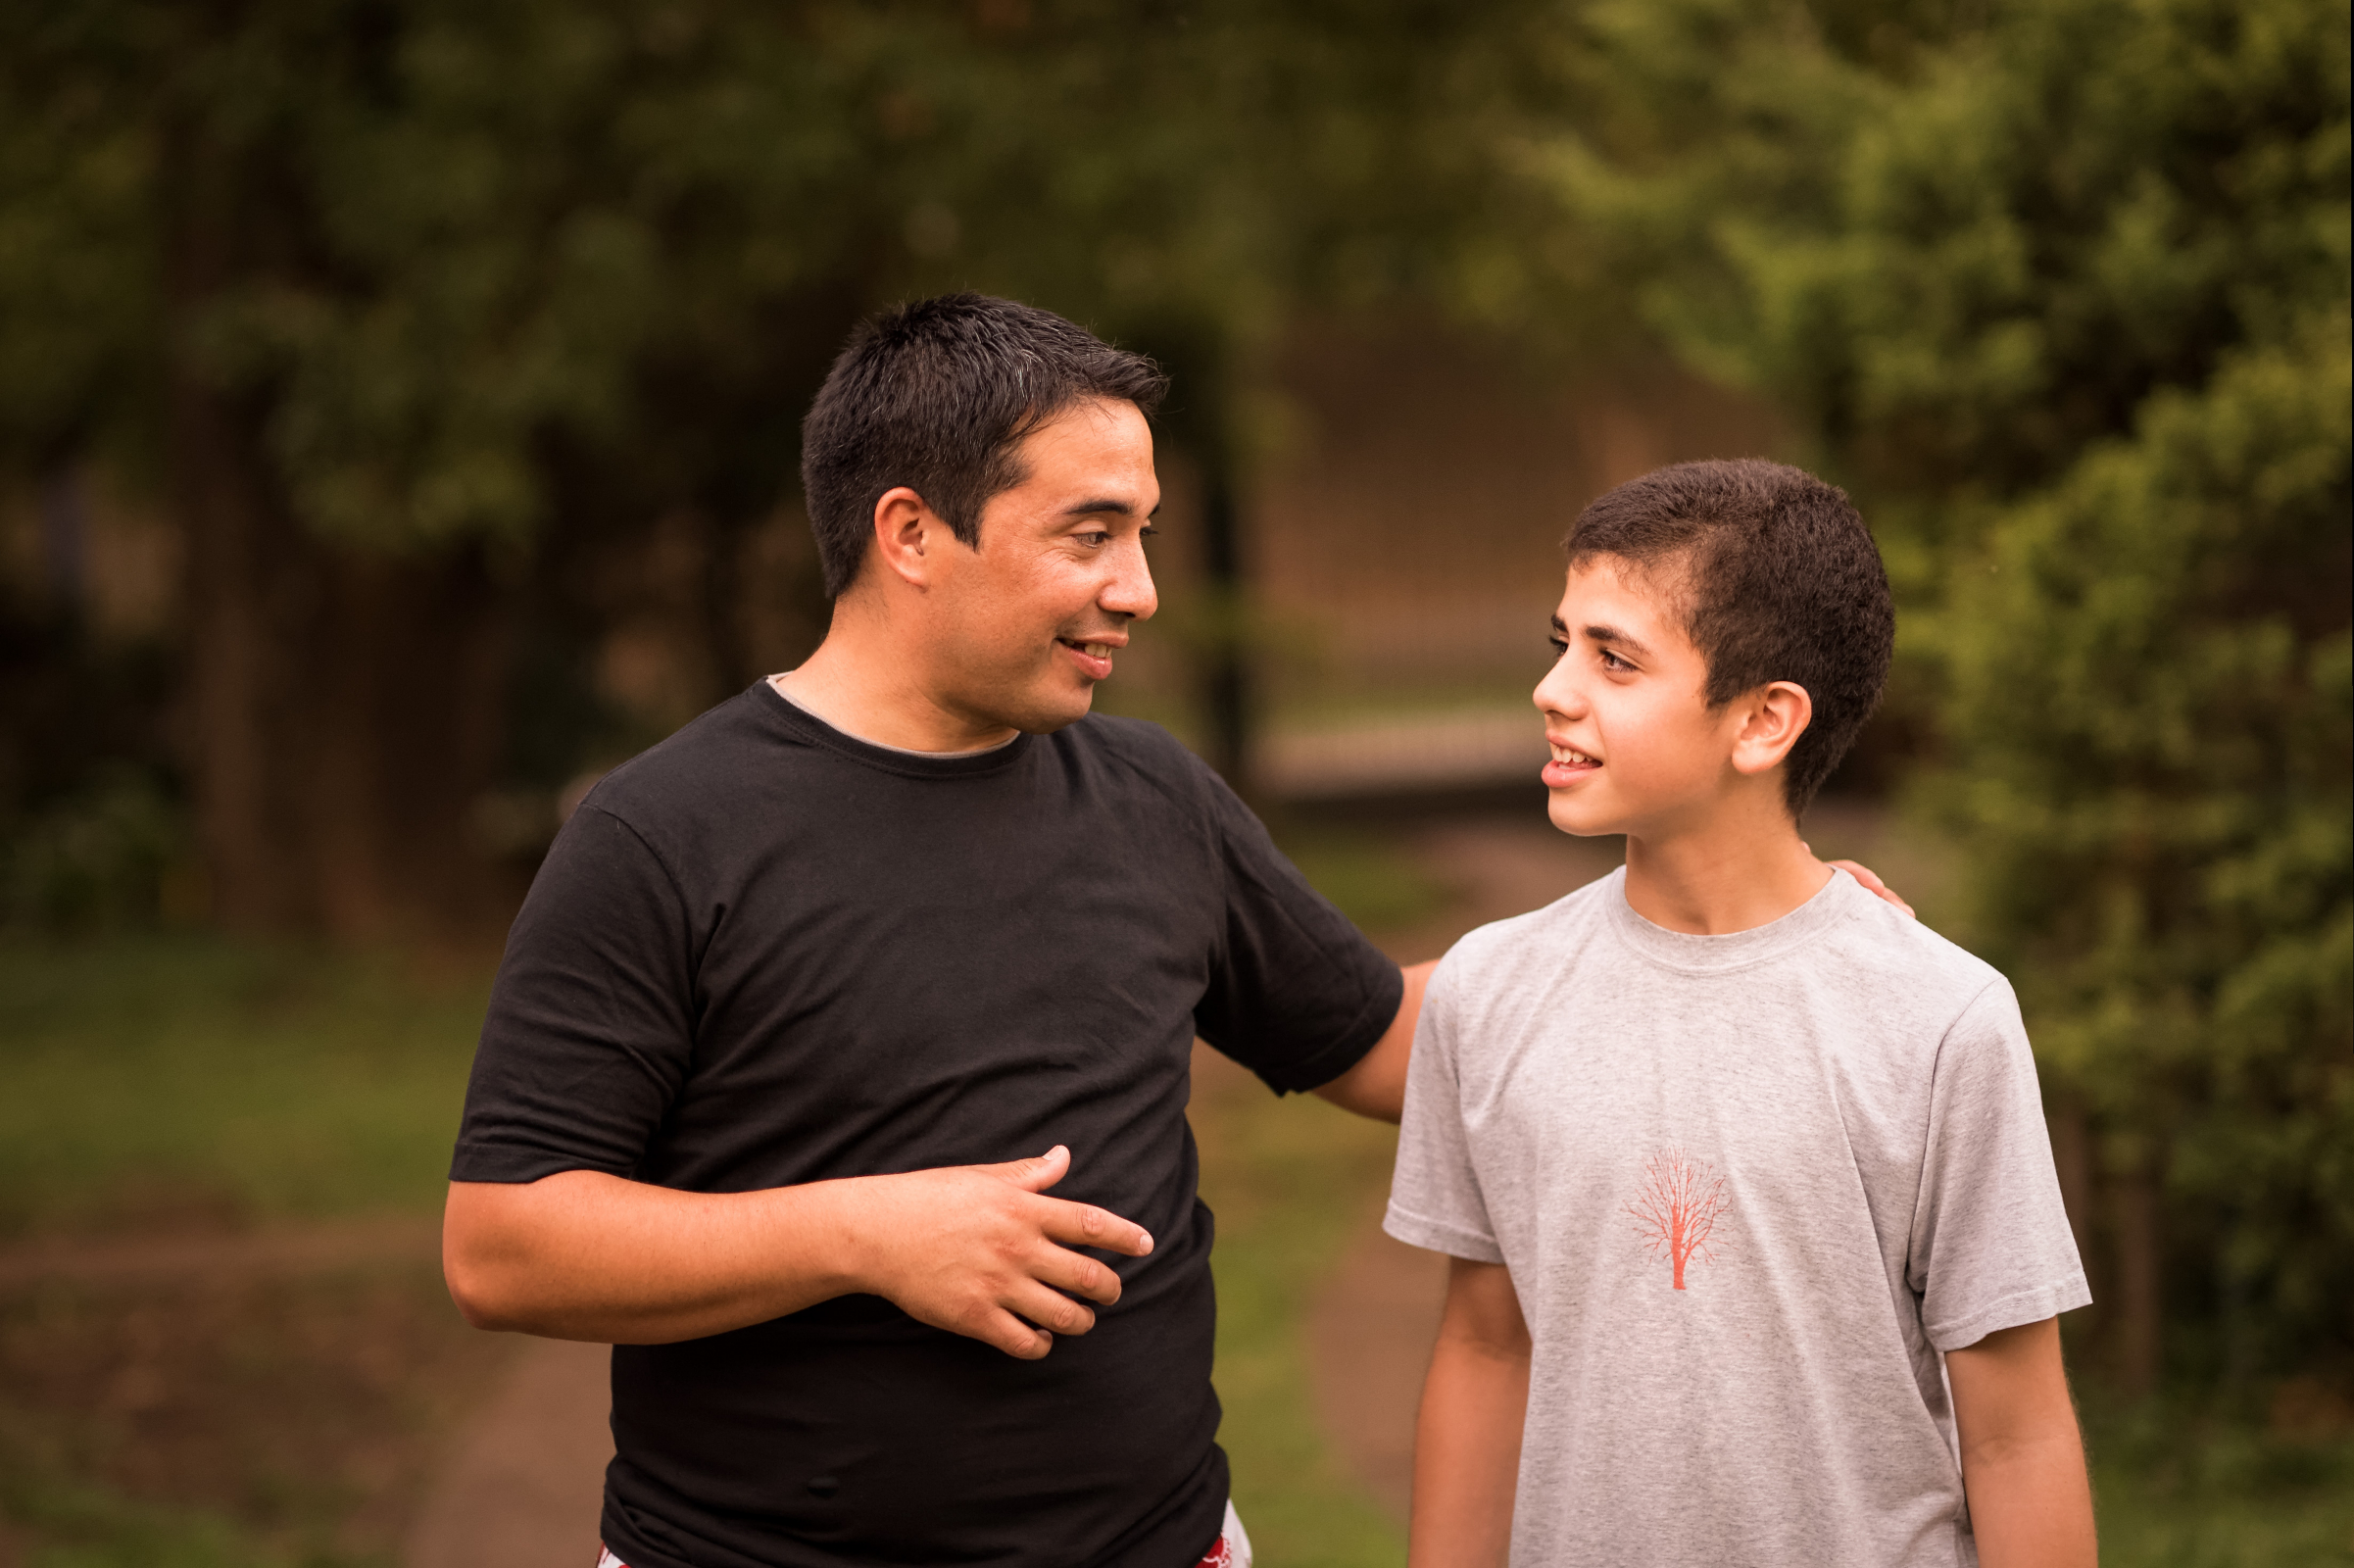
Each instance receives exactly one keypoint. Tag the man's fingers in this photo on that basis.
(1012, 1336)
(1085, 1225)
(1872, 883)
(1033, 1175)
(1079, 1274)
(1050, 1310)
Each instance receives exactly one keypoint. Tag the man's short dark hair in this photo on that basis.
(937, 395)
(1779, 579)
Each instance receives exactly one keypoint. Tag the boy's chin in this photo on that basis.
(1578, 818)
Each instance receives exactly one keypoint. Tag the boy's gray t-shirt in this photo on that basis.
(1748, 1188)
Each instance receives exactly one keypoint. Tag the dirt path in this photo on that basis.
(277, 1250)
(1371, 1325)
(523, 1484)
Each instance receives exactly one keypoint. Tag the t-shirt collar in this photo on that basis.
(1715, 955)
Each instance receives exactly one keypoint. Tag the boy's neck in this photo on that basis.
(1742, 870)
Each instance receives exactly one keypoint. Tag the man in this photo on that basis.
(798, 990)
(795, 989)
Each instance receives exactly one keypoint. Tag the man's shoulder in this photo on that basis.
(692, 766)
(1140, 754)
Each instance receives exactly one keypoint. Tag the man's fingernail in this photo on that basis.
(1145, 1240)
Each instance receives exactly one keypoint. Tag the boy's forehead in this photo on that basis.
(1639, 603)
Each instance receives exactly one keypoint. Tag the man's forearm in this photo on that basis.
(976, 1250)
(584, 1255)
(1467, 1456)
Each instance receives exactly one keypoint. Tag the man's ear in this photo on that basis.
(907, 533)
(1774, 716)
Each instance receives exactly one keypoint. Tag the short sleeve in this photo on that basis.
(589, 1031)
(1297, 992)
(1991, 1245)
(1435, 1198)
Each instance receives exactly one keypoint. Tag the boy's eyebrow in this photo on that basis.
(1615, 637)
(1605, 634)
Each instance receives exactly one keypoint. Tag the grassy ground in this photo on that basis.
(182, 1086)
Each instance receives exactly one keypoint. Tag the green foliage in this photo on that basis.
(2061, 290)
(444, 249)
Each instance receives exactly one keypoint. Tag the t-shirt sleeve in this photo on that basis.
(1296, 993)
(1991, 1249)
(590, 1029)
(1435, 1197)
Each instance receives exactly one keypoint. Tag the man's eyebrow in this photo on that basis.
(1102, 504)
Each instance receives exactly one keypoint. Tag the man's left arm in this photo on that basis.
(2023, 1459)
(1376, 1086)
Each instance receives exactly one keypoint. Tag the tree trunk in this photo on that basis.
(2141, 1303)
(2071, 1156)
(344, 709)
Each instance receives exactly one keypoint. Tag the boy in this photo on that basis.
(1757, 1246)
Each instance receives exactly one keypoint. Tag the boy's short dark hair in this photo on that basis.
(937, 395)
(1780, 581)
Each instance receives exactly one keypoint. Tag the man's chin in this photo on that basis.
(1043, 713)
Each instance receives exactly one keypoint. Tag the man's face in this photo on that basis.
(1636, 747)
(1024, 627)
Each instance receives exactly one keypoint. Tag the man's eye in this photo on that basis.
(1612, 661)
(1095, 536)
(1557, 645)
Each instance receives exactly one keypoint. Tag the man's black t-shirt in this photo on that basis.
(764, 952)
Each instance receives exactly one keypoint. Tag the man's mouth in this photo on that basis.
(1568, 764)
(1093, 658)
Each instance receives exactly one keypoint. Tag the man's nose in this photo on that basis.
(1130, 592)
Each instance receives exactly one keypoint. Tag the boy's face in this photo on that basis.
(1637, 748)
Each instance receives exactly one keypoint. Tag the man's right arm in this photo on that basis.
(1467, 1437)
(977, 1249)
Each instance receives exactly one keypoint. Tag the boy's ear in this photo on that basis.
(1772, 717)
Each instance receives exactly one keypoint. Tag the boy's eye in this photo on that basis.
(1557, 645)
(1612, 661)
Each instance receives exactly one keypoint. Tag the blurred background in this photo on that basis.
(399, 404)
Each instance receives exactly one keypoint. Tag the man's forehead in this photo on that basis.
(1093, 458)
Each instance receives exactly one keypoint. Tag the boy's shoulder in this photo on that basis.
(1881, 946)
(1883, 963)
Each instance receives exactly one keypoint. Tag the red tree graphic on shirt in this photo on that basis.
(1682, 1196)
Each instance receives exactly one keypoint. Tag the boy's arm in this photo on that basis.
(2023, 1461)
(1467, 1438)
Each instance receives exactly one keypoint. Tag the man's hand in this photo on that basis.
(2023, 1461)
(1870, 880)
(976, 1250)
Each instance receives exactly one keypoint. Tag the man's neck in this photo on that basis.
(1743, 868)
(863, 682)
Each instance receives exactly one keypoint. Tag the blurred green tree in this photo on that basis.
(399, 305)
(2062, 291)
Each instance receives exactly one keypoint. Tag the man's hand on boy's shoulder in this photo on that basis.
(1872, 883)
